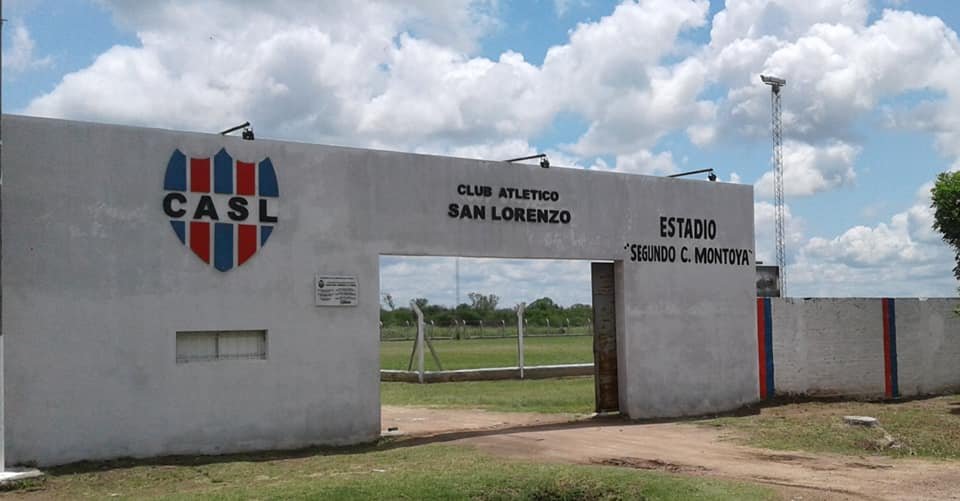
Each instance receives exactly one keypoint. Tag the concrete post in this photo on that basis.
(520, 310)
(420, 338)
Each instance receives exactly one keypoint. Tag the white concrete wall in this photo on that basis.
(928, 346)
(96, 284)
(828, 346)
(835, 347)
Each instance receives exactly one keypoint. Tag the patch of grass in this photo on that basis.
(573, 395)
(426, 472)
(927, 428)
(480, 353)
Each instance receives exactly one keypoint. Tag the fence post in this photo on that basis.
(420, 337)
(520, 321)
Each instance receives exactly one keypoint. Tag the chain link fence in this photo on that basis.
(465, 350)
(462, 329)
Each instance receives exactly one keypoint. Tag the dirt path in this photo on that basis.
(427, 422)
(679, 448)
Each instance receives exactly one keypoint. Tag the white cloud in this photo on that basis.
(501, 150)
(19, 56)
(701, 134)
(645, 162)
(628, 95)
(309, 72)
(903, 256)
(764, 224)
(513, 280)
(866, 246)
(407, 76)
(403, 78)
(808, 170)
(919, 218)
(455, 23)
(561, 7)
(811, 278)
(436, 93)
(783, 19)
(837, 69)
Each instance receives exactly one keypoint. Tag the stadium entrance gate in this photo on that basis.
(168, 292)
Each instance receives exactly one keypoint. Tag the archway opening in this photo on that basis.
(475, 342)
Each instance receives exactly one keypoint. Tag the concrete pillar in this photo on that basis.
(420, 339)
(520, 309)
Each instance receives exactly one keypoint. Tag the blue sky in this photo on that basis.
(648, 86)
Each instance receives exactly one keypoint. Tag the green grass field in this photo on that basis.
(573, 395)
(438, 472)
(925, 428)
(481, 353)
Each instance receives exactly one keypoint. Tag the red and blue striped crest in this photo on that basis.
(223, 209)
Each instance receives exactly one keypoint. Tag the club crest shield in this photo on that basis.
(221, 208)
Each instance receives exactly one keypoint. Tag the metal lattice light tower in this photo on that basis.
(776, 84)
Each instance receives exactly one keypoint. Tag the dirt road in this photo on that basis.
(678, 448)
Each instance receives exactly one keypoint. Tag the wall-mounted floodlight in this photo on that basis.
(712, 176)
(774, 82)
(544, 162)
(246, 134)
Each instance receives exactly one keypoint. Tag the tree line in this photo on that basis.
(484, 307)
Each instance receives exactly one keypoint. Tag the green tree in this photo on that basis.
(544, 304)
(388, 300)
(946, 212)
(483, 307)
(483, 303)
(543, 311)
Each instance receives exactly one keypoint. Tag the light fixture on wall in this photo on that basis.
(711, 176)
(544, 162)
(246, 134)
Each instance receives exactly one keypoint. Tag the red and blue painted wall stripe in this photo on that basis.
(891, 383)
(765, 347)
(891, 386)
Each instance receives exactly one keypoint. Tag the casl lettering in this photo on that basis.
(208, 208)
